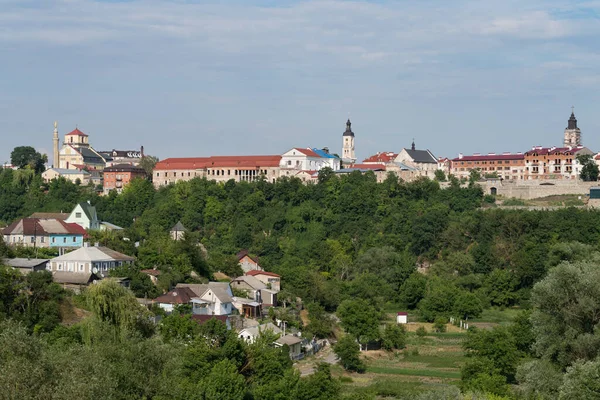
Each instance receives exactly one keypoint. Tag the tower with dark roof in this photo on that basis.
(572, 132)
(348, 155)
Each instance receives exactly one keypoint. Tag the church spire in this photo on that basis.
(572, 121)
(348, 131)
(412, 146)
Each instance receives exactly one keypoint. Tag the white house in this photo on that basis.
(89, 260)
(300, 159)
(84, 214)
(213, 298)
(250, 334)
(402, 318)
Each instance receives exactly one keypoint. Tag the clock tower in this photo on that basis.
(348, 155)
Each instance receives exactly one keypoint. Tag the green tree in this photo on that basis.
(582, 381)
(539, 379)
(224, 383)
(566, 313)
(318, 386)
(467, 305)
(359, 319)
(394, 337)
(148, 163)
(497, 346)
(589, 168)
(320, 323)
(440, 176)
(348, 352)
(26, 156)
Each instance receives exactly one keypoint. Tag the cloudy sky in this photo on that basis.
(198, 78)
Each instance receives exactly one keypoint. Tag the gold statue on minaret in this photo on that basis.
(56, 161)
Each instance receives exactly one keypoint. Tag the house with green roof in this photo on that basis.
(84, 214)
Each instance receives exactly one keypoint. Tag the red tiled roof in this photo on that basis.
(384, 157)
(307, 152)
(257, 272)
(552, 150)
(33, 226)
(180, 295)
(368, 166)
(76, 132)
(480, 157)
(238, 162)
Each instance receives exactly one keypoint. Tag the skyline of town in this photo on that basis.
(260, 76)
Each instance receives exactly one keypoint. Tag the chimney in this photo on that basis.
(460, 156)
(142, 151)
(326, 150)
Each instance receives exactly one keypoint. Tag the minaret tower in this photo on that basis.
(56, 160)
(572, 132)
(348, 155)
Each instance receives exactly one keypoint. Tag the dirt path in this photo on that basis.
(308, 365)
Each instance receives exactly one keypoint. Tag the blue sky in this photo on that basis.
(199, 78)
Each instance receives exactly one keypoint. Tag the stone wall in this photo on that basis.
(527, 190)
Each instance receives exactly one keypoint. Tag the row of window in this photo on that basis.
(43, 239)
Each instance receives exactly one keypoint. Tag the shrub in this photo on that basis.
(394, 337)
(348, 351)
(421, 331)
(439, 324)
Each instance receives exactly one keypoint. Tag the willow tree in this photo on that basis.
(116, 312)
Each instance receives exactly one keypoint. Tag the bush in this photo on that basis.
(421, 331)
(439, 324)
(394, 337)
(348, 351)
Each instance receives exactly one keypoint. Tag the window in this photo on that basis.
(74, 239)
(77, 215)
(157, 174)
(59, 268)
(81, 267)
(33, 239)
(64, 240)
(41, 239)
(53, 240)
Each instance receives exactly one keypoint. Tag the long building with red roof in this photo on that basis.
(219, 168)
(44, 232)
(509, 166)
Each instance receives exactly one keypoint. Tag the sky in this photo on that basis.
(200, 78)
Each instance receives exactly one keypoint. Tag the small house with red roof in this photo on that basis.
(37, 232)
(248, 262)
(271, 279)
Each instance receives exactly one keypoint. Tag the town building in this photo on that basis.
(116, 157)
(272, 280)
(554, 162)
(572, 132)
(178, 231)
(252, 333)
(118, 176)
(247, 262)
(348, 150)
(213, 298)
(217, 168)
(84, 215)
(508, 166)
(385, 158)
(307, 160)
(174, 298)
(294, 344)
(90, 260)
(74, 175)
(44, 233)
(26, 265)
(76, 153)
(423, 161)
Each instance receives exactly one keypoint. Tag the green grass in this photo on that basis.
(431, 373)
(495, 315)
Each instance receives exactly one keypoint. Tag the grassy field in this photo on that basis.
(427, 363)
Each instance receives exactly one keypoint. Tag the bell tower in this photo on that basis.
(572, 132)
(348, 154)
(56, 153)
